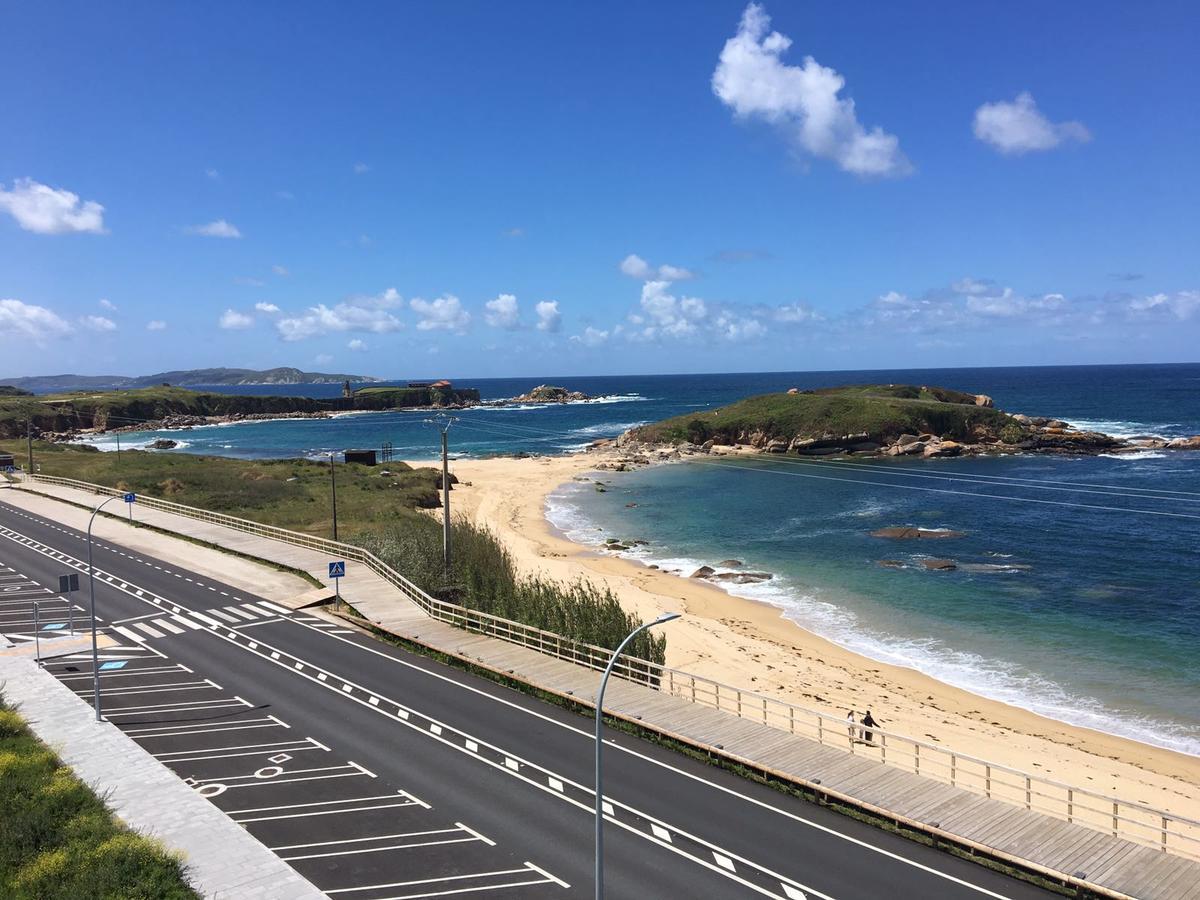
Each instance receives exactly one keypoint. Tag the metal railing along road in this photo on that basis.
(1132, 821)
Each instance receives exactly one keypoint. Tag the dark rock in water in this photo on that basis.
(741, 577)
(891, 563)
(909, 533)
(703, 572)
(631, 506)
(939, 565)
(731, 564)
(163, 444)
(652, 566)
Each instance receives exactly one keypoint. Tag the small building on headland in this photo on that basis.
(362, 457)
(443, 383)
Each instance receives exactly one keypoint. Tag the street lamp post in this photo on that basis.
(92, 604)
(666, 617)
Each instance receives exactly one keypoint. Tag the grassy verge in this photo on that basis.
(58, 841)
(289, 493)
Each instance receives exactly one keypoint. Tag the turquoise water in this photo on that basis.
(1089, 615)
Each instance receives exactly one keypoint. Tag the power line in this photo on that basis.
(1008, 481)
(915, 487)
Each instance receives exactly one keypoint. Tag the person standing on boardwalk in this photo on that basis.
(868, 721)
(851, 725)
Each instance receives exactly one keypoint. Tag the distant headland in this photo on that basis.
(47, 384)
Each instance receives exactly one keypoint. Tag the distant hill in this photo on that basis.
(48, 384)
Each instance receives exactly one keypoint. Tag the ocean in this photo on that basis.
(1077, 592)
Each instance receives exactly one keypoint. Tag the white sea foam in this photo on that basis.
(1138, 454)
(110, 446)
(992, 678)
(1125, 429)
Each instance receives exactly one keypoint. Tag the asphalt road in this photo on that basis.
(378, 773)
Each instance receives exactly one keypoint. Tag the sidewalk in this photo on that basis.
(222, 860)
(1066, 852)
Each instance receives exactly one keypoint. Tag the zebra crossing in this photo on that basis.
(185, 620)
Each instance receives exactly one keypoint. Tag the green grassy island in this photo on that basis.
(877, 419)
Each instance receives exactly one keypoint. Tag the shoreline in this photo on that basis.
(749, 643)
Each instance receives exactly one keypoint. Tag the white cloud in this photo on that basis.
(443, 314)
(793, 313)
(232, 320)
(514, 232)
(156, 325)
(665, 315)
(357, 345)
(674, 273)
(364, 314)
(248, 281)
(30, 322)
(802, 101)
(591, 337)
(105, 303)
(548, 315)
(361, 168)
(1181, 305)
(322, 359)
(281, 271)
(218, 229)
(738, 329)
(98, 323)
(269, 308)
(636, 267)
(212, 174)
(1019, 127)
(46, 210)
(503, 312)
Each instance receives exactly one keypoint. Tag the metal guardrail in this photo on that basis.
(1132, 821)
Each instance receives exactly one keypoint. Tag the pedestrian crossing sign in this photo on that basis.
(337, 569)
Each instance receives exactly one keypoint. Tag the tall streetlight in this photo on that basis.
(92, 591)
(666, 617)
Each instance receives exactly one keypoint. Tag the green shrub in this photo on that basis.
(483, 577)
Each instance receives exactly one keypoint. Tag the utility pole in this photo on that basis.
(118, 448)
(444, 423)
(333, 487)
(29, 443)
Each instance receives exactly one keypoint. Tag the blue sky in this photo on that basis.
(531, 188)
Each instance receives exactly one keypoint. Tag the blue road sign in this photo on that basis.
(130, 498)
(337, 569)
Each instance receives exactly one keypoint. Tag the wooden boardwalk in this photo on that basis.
(1068, 852)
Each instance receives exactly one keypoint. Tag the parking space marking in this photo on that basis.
(398, 800)
(526, 870)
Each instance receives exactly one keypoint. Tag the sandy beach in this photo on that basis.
(751, 645)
